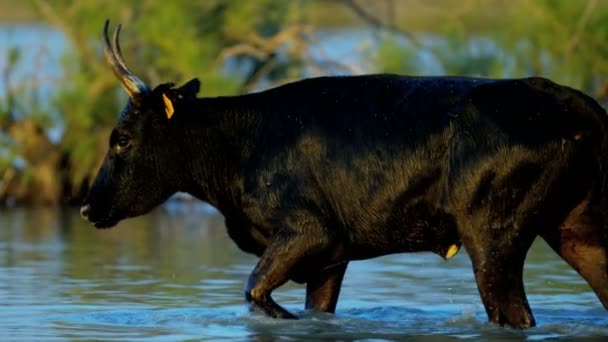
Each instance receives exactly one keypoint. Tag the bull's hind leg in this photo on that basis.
(323, 289)
(498, 263)
(582, 242)
(590, 260)
(289, 249)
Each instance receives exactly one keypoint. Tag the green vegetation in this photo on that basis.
(241, 46)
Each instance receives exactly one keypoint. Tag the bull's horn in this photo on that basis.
(132, 85)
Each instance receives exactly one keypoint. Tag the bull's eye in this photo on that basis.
(122, 143)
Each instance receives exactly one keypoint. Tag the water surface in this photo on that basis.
(174, 275)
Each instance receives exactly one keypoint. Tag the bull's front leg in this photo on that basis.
(498, 262)
(323, 289)
(292, 246)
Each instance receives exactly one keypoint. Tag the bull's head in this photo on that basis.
(141, 167)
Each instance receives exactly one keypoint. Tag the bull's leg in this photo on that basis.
(583, 253)
(286, 251)
(498, 267)
(323, 289)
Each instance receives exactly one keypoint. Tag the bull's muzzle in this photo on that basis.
(84, 212)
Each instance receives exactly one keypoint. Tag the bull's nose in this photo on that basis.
(84, 211)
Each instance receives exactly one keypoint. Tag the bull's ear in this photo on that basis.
(173, 97)
(189, 89)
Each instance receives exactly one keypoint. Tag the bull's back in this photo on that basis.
(364, 109)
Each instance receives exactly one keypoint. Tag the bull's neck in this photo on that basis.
(218, 136)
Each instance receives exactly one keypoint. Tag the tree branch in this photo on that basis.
(379, 25)
(580, 27)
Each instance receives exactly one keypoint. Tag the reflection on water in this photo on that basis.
(174, 275)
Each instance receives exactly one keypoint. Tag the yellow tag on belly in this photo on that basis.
(452, 251)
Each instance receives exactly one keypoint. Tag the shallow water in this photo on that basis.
(175, 275)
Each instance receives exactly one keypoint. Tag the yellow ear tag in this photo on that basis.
(451, 251)
(168, 106)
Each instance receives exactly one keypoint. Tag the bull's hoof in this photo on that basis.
(517, 320)
(274, 312)
(268, 306)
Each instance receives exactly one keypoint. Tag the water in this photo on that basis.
(175, 275)
(39, 66)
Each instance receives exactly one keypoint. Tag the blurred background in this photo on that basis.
(59, 100)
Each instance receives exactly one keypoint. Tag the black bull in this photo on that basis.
(314, 174)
